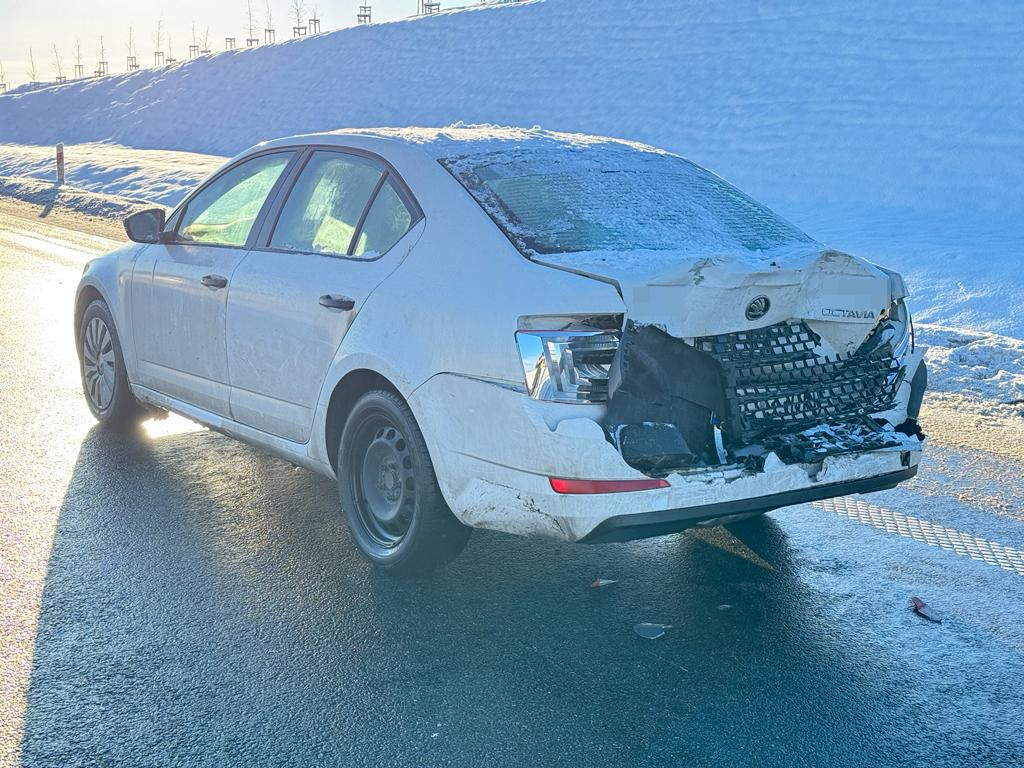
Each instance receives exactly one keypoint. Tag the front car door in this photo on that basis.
(179, 289)
(342, 228)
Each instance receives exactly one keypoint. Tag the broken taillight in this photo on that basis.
(567, 366)
(565, 485)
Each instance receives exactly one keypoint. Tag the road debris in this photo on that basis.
(921, 608)
(651, 631)
(598, 583)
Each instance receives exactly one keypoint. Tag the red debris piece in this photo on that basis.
(921, 608)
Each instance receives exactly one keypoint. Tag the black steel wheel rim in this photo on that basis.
(382, 475)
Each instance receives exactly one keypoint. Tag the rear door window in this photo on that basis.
(326, 205)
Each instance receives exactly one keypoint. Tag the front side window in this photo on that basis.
(326, 205)
(223, 212)
(387, 220)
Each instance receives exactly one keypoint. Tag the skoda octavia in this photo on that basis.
(546, 334)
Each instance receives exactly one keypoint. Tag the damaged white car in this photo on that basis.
(546, 334)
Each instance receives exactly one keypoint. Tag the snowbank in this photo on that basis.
(145, 175)
(980, 366)
(48, 196)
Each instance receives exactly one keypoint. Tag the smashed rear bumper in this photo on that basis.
(646, 524)
(495, 449)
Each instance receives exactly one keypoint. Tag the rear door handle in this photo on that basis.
(214, 281)
(337, 302)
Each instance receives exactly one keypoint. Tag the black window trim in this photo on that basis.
(174, 220)
(362, 217)
(388, 173)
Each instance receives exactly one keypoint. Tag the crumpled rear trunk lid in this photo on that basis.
(728, 358)
(840, 296)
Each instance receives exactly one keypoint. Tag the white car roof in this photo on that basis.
(453, 140)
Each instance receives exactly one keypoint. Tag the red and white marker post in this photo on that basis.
(60, 164)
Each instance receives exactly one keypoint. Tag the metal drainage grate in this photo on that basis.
(949, 539)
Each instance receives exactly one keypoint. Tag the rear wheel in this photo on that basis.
(104, 376)
(388, 489)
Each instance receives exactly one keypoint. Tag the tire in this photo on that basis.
(389, 493)
(104, 376)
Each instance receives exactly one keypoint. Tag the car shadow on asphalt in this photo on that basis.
(204, 605)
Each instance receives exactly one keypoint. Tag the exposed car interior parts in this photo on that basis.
(662, 393)
(814, 444)
(770, 387)
(918, 385)
(777, 383)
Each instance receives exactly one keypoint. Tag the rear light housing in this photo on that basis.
(569, 486)
(567, 366)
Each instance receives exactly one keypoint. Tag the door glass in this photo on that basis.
(385, 224)
(223, 212)
(324, 208)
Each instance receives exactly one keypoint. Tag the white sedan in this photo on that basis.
(546, 334)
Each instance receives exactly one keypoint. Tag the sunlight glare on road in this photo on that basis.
(172, 425)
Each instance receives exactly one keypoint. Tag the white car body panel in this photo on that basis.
(275, 324)
(838, 294)
(437, 316)
(180, 344)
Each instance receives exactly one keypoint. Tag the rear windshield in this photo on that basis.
(613, 197)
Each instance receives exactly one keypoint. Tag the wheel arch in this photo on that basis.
(344, 395)
(87, 294)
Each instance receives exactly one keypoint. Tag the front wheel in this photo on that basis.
(104, 376)
(388, 489)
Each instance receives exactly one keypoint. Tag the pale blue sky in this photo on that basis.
(42, 23)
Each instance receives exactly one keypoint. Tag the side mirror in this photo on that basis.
(145, 226)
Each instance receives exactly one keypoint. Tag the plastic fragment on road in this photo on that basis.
(921, 608)
(651, 631)
(598, 583)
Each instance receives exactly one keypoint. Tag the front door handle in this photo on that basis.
(337, 302)
(214, 281)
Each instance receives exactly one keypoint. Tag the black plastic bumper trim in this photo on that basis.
(647, 524)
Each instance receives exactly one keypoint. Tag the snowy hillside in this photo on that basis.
(861, 101)
(892, 130)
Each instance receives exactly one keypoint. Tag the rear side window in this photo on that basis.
(326, 205)
(223, 212)
(387, 220)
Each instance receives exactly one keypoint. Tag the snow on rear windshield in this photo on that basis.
(615, 198)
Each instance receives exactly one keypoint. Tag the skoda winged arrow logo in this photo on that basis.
(758, 308)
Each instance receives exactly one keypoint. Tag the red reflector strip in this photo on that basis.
(562, 485)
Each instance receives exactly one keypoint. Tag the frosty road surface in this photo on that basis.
(180, 599)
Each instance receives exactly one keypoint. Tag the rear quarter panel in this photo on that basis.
(452, 305)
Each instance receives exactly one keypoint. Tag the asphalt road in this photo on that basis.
(179, 599)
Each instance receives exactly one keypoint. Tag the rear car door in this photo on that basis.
(179, 288)
(342, 228)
